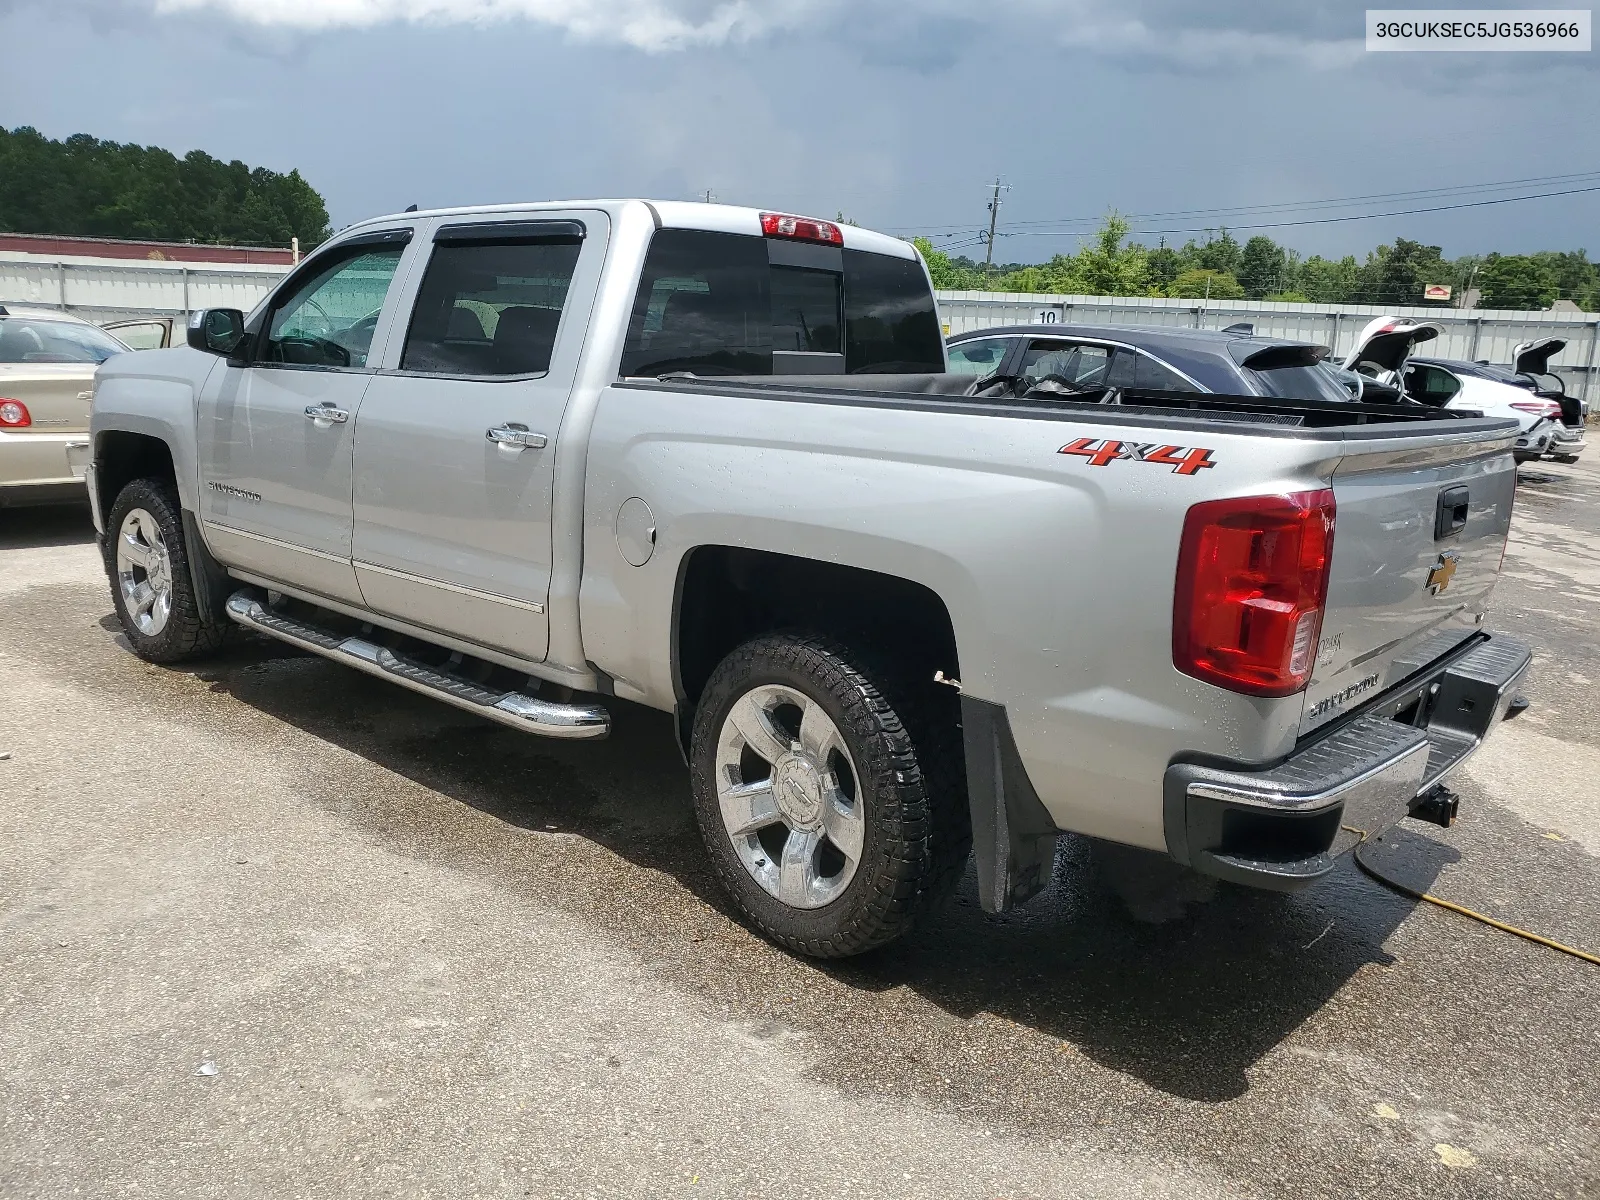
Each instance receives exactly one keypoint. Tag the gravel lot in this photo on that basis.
(270, 928)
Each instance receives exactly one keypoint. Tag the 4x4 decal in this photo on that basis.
(1183, 460)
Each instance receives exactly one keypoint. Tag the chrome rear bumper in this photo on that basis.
(1282, 827)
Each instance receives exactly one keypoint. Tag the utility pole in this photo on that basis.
(710, 196)
(994, 215)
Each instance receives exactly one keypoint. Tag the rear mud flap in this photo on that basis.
(1013, 836)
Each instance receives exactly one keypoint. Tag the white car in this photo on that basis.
(1553, 423)
(47, 366)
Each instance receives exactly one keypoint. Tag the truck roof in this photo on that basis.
(667, 214)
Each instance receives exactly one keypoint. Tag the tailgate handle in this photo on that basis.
(1452, 518)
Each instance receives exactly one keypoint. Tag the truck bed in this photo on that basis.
(954, 393)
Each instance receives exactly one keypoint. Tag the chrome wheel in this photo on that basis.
(144, 572)
(788, 792)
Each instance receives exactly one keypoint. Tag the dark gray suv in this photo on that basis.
(1224, 361)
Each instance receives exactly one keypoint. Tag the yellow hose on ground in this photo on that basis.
(1465, 911)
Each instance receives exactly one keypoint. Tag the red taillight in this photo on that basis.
(1539, 408)
(1252, 581)
(801, 229)
(14, 414)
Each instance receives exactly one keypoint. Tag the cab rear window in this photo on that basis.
(713, 304)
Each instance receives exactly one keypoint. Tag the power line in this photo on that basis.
(1405, 212)
(1420, 193)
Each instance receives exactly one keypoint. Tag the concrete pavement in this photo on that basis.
(430, 957)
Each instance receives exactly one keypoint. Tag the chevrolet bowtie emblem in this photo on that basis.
(1443, 572)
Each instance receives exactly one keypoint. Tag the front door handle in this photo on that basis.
(514, 436)
(326, 414)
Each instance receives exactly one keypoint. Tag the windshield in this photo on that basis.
(42, 340)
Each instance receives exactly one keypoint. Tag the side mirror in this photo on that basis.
(216, 331)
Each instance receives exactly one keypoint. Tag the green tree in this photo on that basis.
(1262, 267)
(1200, 283)
(1164, 265)
(1220, 253)
(1518, 281)
(1575, 275)
(1106, 267)
(1328, 281)
(1038, 280)
(85, 187)
(945, 272)
(1396, 275)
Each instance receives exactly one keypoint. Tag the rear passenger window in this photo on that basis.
(1080, 364)
(704, 305)
(1157, 377)
(490, 308)
(890, 322)
(1431, 385)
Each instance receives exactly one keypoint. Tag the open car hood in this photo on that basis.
(1385, 344)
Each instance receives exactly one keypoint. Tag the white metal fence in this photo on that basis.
(110, 289)
(1464, 333)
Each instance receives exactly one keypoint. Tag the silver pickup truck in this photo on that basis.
(708, 459)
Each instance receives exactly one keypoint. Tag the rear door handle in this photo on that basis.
(514, 436)
(327, 414)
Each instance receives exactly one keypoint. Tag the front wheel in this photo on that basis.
(148, 565)
(828, 796)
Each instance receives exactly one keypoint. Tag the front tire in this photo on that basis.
(829, 797)
(152, 588)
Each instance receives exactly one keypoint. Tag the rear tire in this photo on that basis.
(830, 794)
(147, 562)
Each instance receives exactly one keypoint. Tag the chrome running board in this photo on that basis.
(513, 709)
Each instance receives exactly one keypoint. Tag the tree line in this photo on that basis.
(85, 187)
(1260, 269)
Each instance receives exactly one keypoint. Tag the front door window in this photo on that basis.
(329, 320)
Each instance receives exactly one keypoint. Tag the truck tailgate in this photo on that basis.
(1418, 542)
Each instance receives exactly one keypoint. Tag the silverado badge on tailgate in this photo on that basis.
(1182, 459)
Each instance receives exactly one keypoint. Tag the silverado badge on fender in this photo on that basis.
(1182, 459)
(1443, 571)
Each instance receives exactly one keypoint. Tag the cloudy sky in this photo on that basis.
(898, 114)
